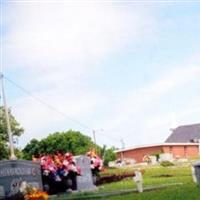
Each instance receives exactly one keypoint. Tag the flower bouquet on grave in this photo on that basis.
(59, 172)
(32, 193)
(96, 165)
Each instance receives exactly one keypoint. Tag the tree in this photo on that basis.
(32, 148)
(109, 155)
(3, 150)
(70, 141)
(16, 129)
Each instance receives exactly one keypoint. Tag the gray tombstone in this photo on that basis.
(85, 181)
(13, 172)
(197, 172)
(166, 157)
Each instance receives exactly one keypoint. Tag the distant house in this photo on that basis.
(184, 142)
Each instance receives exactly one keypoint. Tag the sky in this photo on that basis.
(127, 69)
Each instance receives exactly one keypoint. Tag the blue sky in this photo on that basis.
(128, 70)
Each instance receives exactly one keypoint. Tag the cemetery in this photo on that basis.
(94, 84)
(166, 182)
(62, 175)
(159, 182)
(99, 100)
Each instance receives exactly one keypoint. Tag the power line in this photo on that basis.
(55, 109)
(46, 104)
(108, 136)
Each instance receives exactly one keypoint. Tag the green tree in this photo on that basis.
(32, 148)
(70, 141)
(16, 129)
(3, 150)
(109, 155)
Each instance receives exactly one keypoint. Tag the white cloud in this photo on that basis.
(60, 113)
(142, 98)
(131, 116)
(124, 116)
(60, 36)
(175, 119)
(60, 46)
(57, 47)
(59, 110)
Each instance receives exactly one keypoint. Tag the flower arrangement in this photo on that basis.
(59, 171)
(32, 193)
(36, 195)
(58, 166)
(96, 162)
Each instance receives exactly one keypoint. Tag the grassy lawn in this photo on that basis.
(162, 175)
(154, 176)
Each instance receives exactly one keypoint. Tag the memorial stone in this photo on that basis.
(166, 157)
(14, 172)
(197, 172)
(85, 181)
(153, 160)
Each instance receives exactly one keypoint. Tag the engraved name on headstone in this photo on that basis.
(13, 172)
(85, 181)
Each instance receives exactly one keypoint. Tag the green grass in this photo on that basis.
(154, 176)
(158, 176)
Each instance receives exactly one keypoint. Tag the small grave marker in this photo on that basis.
(138, 180)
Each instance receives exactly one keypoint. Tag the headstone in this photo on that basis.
(153, 160)
(129, 162)
(14, 172)
(194, 178)
(85, 181)
(111, 164)
(197, 172)
(166, 157)
(138, 180)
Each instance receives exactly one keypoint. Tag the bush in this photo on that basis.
(166, 163)
(109, 155)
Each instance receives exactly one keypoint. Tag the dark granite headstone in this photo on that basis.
(85, 181)
(197, 172)
(13, 172)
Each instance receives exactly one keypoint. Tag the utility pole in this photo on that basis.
(94, 139)
(123, 146)
(122, 143)
(94, 136)
(12, 153)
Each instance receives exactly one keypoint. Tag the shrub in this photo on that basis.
(109, 155)
(166, 163)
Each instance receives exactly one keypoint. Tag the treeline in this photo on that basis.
(69, 141)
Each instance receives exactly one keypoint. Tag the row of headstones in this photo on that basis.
(14, 172)
(153, 160)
